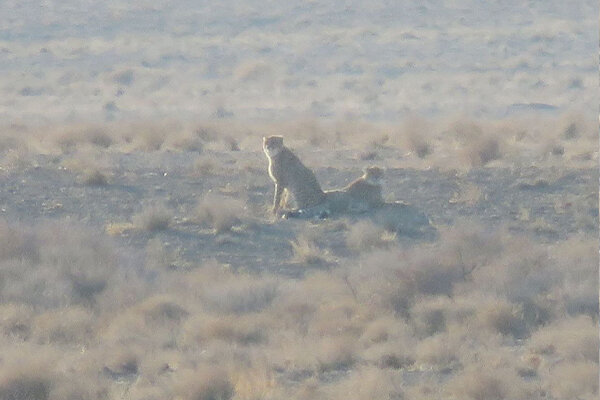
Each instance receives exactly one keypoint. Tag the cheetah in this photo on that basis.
(289, 174)
(360, 196)
(365, 192)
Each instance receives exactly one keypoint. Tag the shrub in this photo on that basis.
(153, 219)
(480, 383)
(120, 363)
(244, 330)
(479, 147)
(335, 353)
(574, 338)
(441, 351)
(385, 283)
(25, 388)
(366, 384)
(66, 326)
(162, 310)
(99, 138)
(502, 317)
(242, 294)
(16, 243)
(16, 320)
(574, 380)
(341, 316)
(576, 266)
(439, 314)
(483, 150)
(429, 317)
(73, 266)
(94, 177)
(204, 384)
(220, 212)
(364, 236)
(307, 252)
(26, 374)
(416, 134)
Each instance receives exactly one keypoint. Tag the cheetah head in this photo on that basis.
(272, 145)
(374, 175)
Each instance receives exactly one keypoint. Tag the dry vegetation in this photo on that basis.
(479, 313)
(138, 256)
(199, 294)
(448, 144)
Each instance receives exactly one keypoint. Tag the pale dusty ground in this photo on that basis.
(553, 204)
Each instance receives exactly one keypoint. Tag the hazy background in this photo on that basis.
(76, 60)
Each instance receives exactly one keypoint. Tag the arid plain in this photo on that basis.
(138, 256)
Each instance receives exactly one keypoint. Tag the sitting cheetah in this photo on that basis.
(289, 174)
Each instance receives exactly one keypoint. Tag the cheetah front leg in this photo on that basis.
(277, 198)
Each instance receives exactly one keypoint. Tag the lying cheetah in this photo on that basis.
(365, 192)
(360, 196)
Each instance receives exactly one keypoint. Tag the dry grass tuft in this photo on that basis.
(572, 131)
(66, 264)
(573, 338)
(67, 326)
(244, 294)
(148, 138)
(241, 330)
(25, 388)
(502, 317)
(16, 243)
(477, 383)
(153, 219)
(419, 145)
(574, 380)
(367, 383)
(204, 167)
(256, 382)
(162, 310)
(16, 320)
(430, 316)
(220, 212)
(441, 351)
(479, 147)
(483, 150)
(120, 363)
(342, 317)
(204, 384)
(416, 133)
(334, 354)
(100, 138)
(307, 252)
(442, 314)
(158, 256)
(388, 343)
(119, 228)
(26, 376)
(366, 236)
(94, 177)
